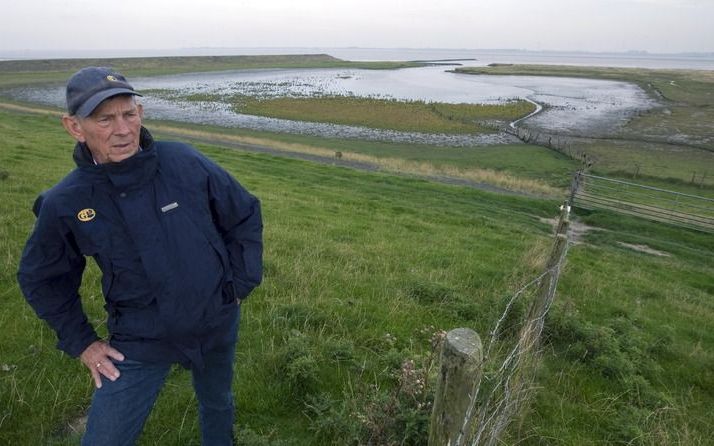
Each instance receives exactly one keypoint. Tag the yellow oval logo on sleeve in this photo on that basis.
(86, 214)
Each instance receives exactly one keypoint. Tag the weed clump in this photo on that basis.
(376, 415)
(619, 349)
(624, 354)
(298, 363)
(393, 410)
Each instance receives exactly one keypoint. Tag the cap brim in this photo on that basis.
(93, 102)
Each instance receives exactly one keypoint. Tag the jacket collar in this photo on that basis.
(133, 171)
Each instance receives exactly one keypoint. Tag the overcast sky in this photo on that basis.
(587, 25)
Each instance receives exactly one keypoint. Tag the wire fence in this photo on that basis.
(675, 208)
(503, 389)
(511, 357)
(506, 383)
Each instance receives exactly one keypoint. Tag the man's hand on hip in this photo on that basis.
(98, 359)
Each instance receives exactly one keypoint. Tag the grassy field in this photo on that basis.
(362, 269)
(532, 162)
(514, 168)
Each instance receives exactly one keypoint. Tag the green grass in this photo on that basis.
(410, 116)
(358, 267)
(520, 160)
(661, 165)
(541, 171)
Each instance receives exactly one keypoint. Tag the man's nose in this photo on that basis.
(121, 126)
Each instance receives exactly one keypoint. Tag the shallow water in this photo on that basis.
(573, 106)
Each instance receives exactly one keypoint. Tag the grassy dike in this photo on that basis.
(27, 72)
(361, 270)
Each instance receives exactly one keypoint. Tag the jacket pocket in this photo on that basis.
(198, 267)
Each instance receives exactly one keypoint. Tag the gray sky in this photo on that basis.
(588, 25)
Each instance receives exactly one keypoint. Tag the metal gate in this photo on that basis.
(677, 208)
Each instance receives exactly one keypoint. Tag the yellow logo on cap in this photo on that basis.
(86, 214)
(112, 78)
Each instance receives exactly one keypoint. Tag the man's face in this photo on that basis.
(112, 131)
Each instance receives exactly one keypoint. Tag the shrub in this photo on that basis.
(298, 363)
(619, 350)
(393, 413)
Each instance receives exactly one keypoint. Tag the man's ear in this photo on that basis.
(73, 127)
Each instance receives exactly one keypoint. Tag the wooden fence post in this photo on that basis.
(539, 307)
(460, 369)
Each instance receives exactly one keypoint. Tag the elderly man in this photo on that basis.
(179, 244)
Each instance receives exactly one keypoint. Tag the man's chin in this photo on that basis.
(121, 156)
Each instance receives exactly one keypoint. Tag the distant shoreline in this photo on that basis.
(640, 59)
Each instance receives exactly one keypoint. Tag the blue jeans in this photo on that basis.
(120, 408)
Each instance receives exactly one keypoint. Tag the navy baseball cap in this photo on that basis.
(88, 87)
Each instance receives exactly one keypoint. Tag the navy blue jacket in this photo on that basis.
(177, 239)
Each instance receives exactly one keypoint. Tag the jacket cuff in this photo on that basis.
(77, 345)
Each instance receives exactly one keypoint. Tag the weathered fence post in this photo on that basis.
(461, 358)
(540, 305)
